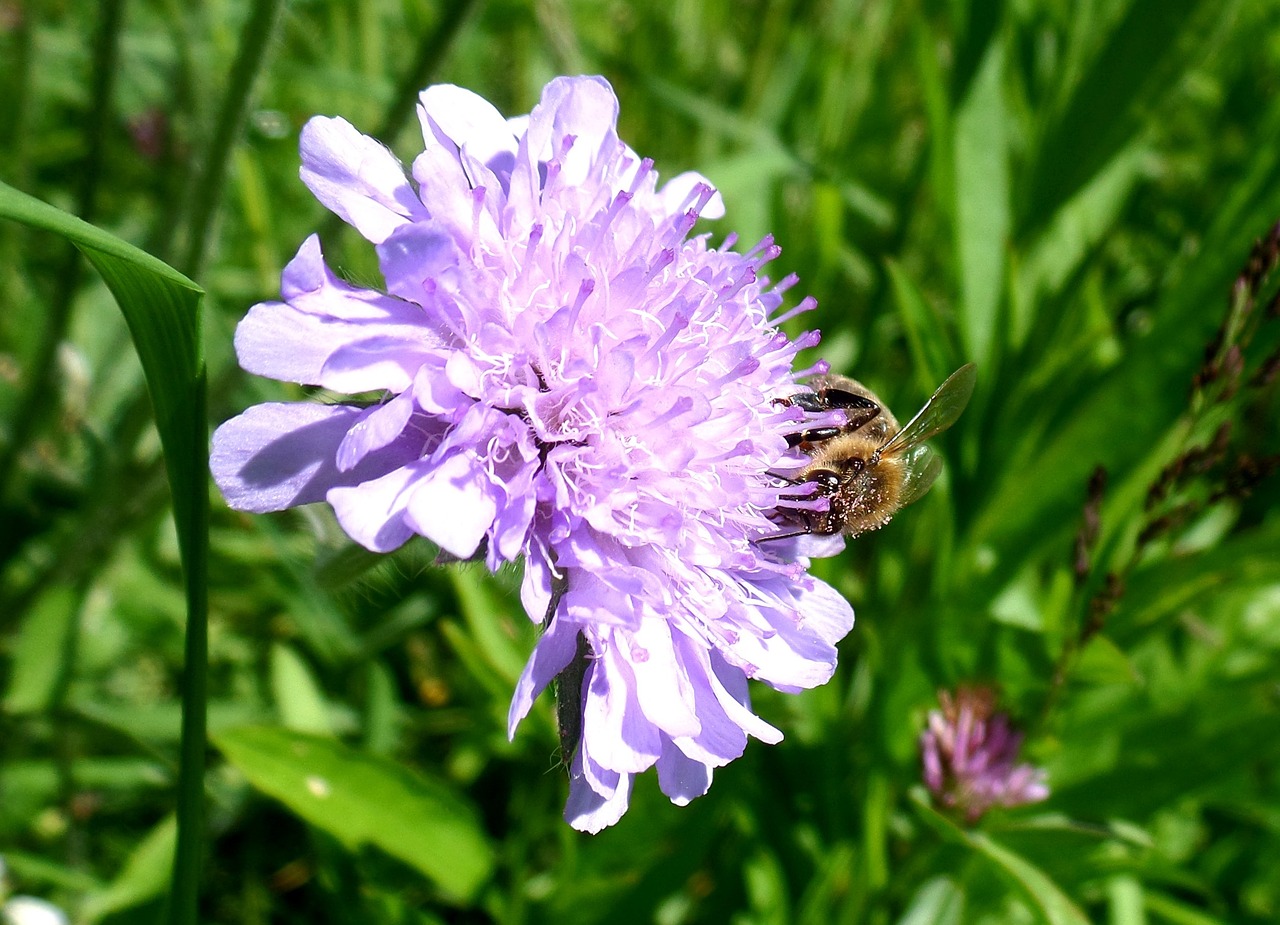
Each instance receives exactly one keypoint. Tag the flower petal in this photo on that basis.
(417, 258)
(589, 810)
(553, 653)
(615, 733)
(457, 118)
(675, 195)
(357, 178)
(323, 319)
(379, 427)
(453, 505)
(373, 512)
(278, 455)
(681, 777)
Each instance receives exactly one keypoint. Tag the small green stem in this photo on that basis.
(191, 512)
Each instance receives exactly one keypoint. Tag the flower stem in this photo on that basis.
(192, 514)
(192, 517)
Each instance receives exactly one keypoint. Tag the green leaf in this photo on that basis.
(37, 654)
(926, 336)
(766, 886)
(144, 876)
(1075, 231)
(982, 204)
(833, 882)
(32, 869)
(1124, 900)
(491, 623)
(1055, 905)
(363, 799)
(383, 718)
(299, 700)
(162, 309)
(1103, 662)
(1169, 586)
(1176, 912)
(939, 901)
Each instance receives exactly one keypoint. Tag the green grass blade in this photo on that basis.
(1135, 69)
(162, 309)
(1054, 906)
(982, 206)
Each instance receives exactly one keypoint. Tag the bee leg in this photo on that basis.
(813, 435)
(859, 409)
(809, 401)
(807, 530)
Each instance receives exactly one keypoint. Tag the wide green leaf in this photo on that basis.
(364, 799)
(143, 877)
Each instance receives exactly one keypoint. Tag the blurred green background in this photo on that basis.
(1067, 193)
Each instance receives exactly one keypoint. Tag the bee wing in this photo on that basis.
(938, 413)
(923, 468)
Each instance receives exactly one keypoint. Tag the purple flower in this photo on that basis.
(564, 377)
(969, 753)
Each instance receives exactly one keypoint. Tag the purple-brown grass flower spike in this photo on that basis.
(566, 378)
(970, 755)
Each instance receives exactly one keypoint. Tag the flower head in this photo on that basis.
(567, 378)
(969, 753)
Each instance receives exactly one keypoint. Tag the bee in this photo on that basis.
(870, 467)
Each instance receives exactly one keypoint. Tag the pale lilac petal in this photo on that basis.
(614, 732)
(825, 612)
(552, 654)
(469, 215)
(458, 118)
(453, 505)
(535, 588)
(680, 777)
(378, 428)
(817, 547)
(677, 194)
(665, 693)
(584, 109)
(357, 178)
(589, 810)
(276, 456)
(298, 340)
(385, 361)
(731, 694)
(373, 513)
(417, 258)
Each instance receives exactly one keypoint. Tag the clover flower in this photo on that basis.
(562, 376)
(970, 752)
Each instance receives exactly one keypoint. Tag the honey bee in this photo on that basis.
(869, 468)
